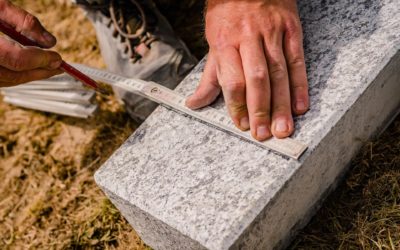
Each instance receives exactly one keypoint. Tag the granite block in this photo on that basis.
(184, 185)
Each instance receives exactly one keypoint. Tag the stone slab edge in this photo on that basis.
(286, 203)
(321, 171)
(371, 65)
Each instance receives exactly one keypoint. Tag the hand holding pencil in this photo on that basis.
(20, 64)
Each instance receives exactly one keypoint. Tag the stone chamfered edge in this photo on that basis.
(255, 212)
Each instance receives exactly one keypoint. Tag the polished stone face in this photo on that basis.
(183, 184)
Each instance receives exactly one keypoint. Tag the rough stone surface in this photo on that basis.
(184, 185)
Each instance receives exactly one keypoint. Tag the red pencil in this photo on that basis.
(67, 68)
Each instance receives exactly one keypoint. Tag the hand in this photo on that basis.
(20, 64)
(256, 56)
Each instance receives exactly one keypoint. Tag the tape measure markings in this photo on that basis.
(209, 115)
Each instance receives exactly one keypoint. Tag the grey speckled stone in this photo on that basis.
(184, 185)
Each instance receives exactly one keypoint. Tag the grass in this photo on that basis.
(364, 212)
(48, 198)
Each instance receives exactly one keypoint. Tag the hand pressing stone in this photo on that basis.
(256, 57)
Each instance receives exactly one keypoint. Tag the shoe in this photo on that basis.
(137, 41)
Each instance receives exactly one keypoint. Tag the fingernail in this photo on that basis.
(281, 125)
(244, 123)
(189, 102)
(49, 37)
(300, 106)
(262, 132)
(55, 64)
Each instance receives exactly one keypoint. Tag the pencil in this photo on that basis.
(67, 68)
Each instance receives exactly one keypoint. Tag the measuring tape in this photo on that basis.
(209, 115)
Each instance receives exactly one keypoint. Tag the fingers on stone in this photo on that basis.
(294, 53)
(208, 89)
(231, 78)
(282, 121)
(258, 93)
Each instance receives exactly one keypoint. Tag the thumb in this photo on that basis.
(25, 23)
(208, 89)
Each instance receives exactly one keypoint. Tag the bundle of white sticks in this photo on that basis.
(60, 94)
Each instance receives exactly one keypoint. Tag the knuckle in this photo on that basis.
(220, 44)
(300, 88)
(218, 40)
(297, 61)
(282, 109)
(270, 28)
(11, 57)
(264, 114)
(234, 86)
(237, 108)
(17, 63)
(259, 74)
(277, 70)
(46, 57)
(248, 30)
(30, 21)
(299, 91)
(273, 24)
(293, 26)
(5, 55)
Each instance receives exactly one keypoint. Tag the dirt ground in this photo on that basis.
(48, 198)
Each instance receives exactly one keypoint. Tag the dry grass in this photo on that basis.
(48, 198)
(364, 212)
